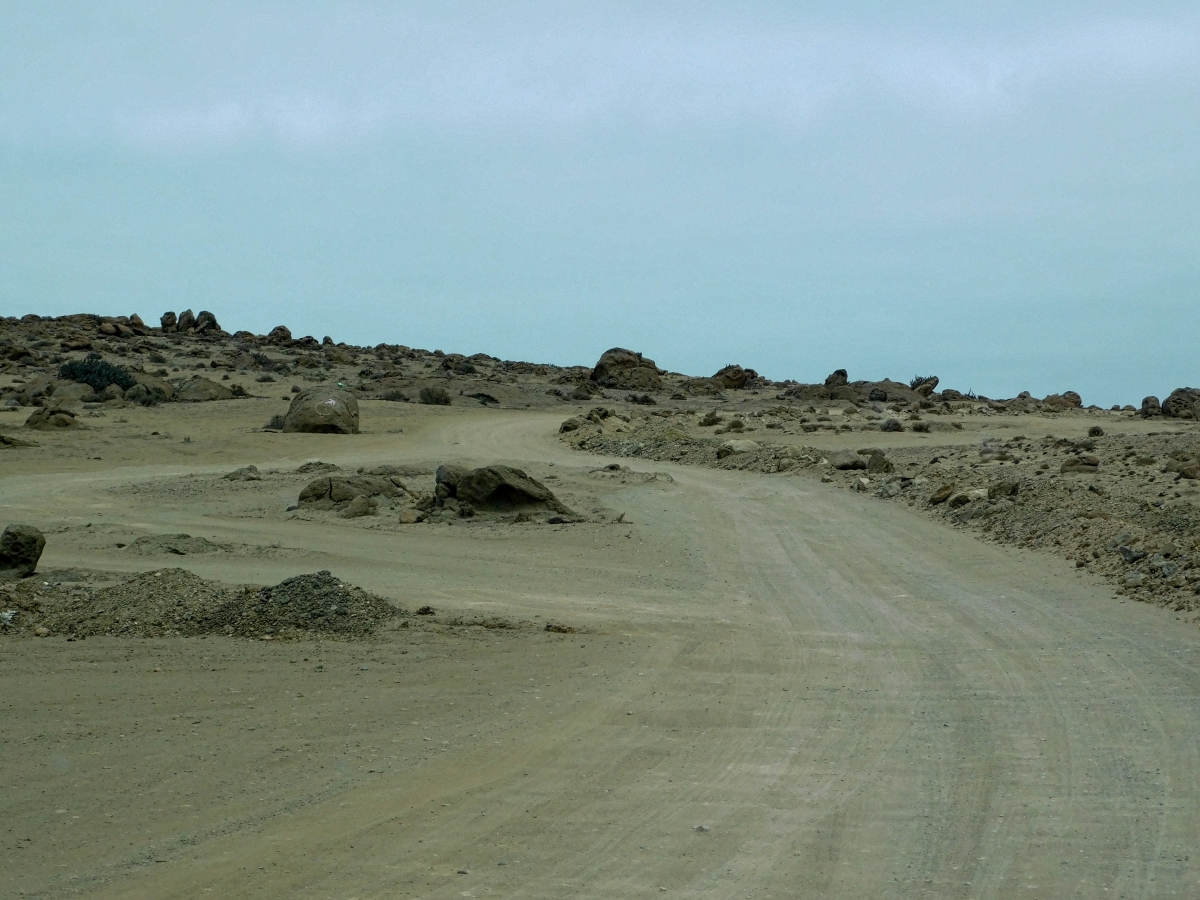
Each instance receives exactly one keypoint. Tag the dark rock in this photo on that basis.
(839, 378)
(1065, 400)
(322, 410)
(503, 489)
(206, 322)
(626, 370)
(1131, 554)
(169, 322)
(187, 321)
(20, 549)
(734, 377)
(846, 460)
(1183, 403)
(449, 476)
(1150, 407)
(878, 463)
(280, 334)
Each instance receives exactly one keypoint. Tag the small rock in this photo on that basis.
(1131, 554)
(246, 473)
(942, 494)
(358, 507)
(41, 631)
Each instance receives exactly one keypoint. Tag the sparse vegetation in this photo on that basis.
(96, 373)
(435, 396)
(919, 380)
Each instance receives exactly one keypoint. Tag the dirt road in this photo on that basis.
(779, 690)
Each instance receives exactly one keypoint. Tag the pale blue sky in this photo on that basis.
(1001, 194)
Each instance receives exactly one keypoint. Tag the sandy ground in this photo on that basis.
(778, 689)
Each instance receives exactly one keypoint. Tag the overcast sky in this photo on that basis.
(1002, 195)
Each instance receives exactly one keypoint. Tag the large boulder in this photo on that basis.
(626, 370)
(157, 389)
(1150, 407)
(199, 390)
(503, 489)
(168, 321)
(187, 321)
(838, 378)
(1065, 400)
(322, 410)
(736, 378)
(206, 322)
(1184, 403)
(280, 334)
(847, 460)
(336, 491)
(49, 418)
(926, 386)
(447, 478)
(20, 549)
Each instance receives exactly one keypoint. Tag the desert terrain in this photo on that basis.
(756, 639)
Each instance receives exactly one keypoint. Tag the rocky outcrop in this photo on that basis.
(1150, 407)
(280, 334)
(206, 322)
(736, 378)
(1183, 403)
(337, 491)
(187, 321)
(20, 549)
(503, 489)
(625, 370)
(1065, 400)
(322, 410)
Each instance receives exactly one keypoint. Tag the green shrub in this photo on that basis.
(435, 396)
(96, 374)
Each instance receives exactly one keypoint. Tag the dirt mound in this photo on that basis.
(302, 606)
(152, 604)
(174, 603)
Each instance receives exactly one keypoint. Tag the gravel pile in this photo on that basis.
(303, 606)
(174, 602)
(168, 602)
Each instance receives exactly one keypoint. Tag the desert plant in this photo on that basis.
(641, 399)
(96, 373)
(394, 396)
(276, 424)
(919, 380)
(435, 396)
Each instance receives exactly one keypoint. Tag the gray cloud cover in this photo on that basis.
(1005, 195)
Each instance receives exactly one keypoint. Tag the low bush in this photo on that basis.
(96, 373)
(435, 396)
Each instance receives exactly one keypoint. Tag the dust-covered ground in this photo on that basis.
(728, 671)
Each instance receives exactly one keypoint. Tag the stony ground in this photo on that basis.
(739, 670)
